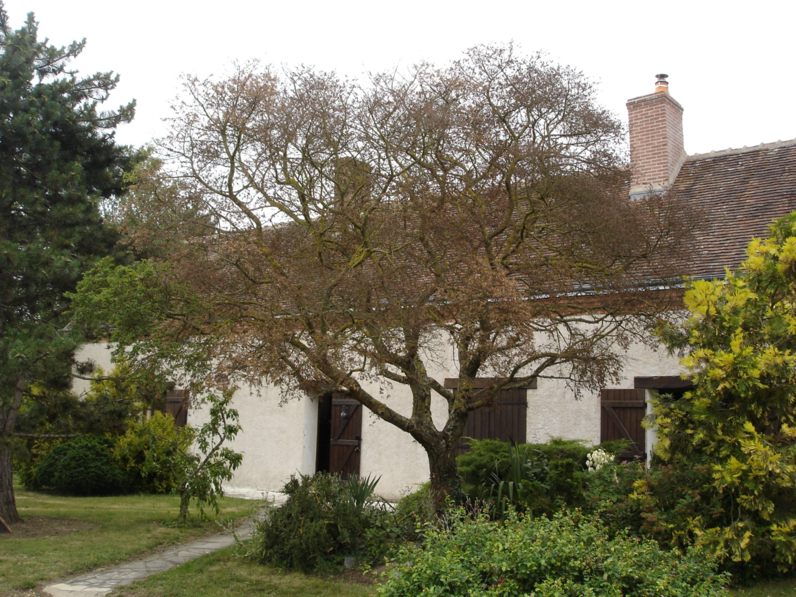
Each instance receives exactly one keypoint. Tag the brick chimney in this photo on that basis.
(656, 140)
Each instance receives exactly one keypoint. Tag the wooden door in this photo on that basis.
(621, 413)
(346, 437)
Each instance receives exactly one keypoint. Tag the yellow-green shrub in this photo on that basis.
(146, 452)
(729, 445)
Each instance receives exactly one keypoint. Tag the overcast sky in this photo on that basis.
(730, 63)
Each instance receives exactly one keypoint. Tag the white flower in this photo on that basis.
(598, 459)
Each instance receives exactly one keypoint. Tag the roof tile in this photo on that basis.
(740, 192)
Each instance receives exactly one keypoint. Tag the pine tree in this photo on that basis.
(58, 161)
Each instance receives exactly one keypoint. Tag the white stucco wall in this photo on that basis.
(271, 440)
(553, 410)
(98, 353)
(279, 440)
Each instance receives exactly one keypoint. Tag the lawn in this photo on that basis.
(226, 574)
(67, 536)
(774, 588)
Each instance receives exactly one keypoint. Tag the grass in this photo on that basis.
(119, 528)
(225, 574)
(774, 588)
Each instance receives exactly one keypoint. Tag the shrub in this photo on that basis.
(731, 441)
(610, 494)
(525, 485)
(145, 453)
(413, 513)
(478, 463)
(418, 505)
(28, 454)
(570, 554)
(318, 525)
(82, 466)
(202, 470)
(541, 478)
(193, 463)
(110, 406)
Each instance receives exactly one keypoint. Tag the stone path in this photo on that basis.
(104, 580)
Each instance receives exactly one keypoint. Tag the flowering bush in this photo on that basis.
(598, 459)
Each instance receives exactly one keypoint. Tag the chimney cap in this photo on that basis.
(662, 85)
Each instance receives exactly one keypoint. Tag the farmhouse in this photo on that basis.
(737, 192)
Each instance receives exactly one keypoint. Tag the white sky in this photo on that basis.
(730, 63)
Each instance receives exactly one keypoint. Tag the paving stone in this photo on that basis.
(104, 580)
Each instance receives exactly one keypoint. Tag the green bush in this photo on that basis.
(82, 466)
(540, 478)
(681, 505)
(418, 505)
(28, 454)
(319, 525)
(569, 555)
(110, 406)
(478, 463)
(610, 494)
(489, 456)
(145, 452)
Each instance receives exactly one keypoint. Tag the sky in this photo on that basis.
(730, 63)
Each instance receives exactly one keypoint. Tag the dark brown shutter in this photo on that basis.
(505, 421)
(621, 413)
(177, 406)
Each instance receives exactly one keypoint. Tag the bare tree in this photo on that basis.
(353, 231)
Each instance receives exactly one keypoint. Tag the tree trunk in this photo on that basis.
(445, 479)
(8, 505)
(184, 499)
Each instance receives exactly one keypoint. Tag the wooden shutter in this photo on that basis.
(177, 406)
(621, 413)
(346, 437)
(505, 421)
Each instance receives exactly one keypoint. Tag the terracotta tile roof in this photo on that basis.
(738, 193)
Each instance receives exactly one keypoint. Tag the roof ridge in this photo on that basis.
(731, 151)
